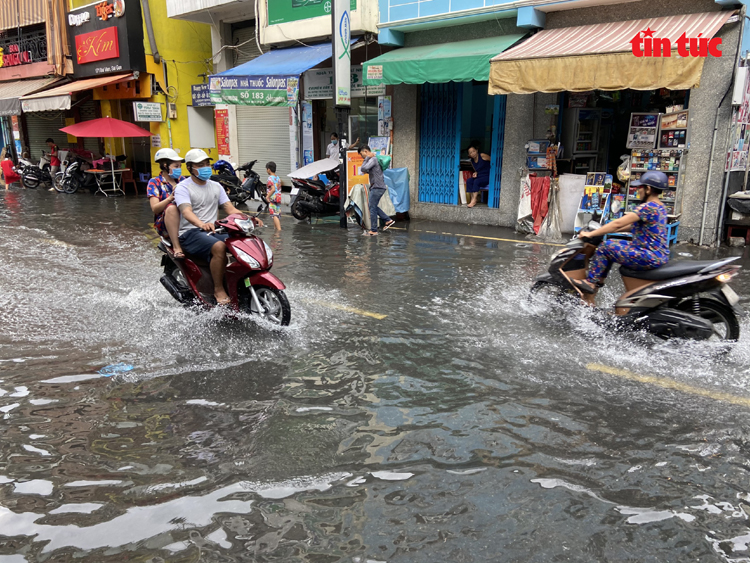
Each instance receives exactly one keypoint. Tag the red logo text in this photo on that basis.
(644, 44)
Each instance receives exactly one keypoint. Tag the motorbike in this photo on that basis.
(314, 197)
(34, 175)
(240, 191)
(250, 285)
(74, 176)
(688, 299)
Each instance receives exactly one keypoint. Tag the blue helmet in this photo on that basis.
(223, 166)
(654, 179)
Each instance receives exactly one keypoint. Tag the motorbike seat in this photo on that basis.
(318, 183)
(668, 271)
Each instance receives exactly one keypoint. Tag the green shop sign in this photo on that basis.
(254, 90)
(285, 11)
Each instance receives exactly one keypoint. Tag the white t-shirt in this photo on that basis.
(332, 151)
(205, 201)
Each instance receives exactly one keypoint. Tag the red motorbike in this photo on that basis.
(313, 197)
(248, 281)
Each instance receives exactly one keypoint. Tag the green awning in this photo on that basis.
(460, 61)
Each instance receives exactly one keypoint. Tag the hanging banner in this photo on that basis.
(319, 84)
(307, 134)
(342, 58)
(285, 11)
(222, 131)
(254, 90)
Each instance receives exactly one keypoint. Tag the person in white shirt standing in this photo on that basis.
(198, 199)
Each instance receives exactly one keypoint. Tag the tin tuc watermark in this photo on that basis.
(644, 44)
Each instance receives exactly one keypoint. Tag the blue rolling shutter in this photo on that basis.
(498, 139)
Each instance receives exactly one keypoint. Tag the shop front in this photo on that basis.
(610, 111)
(453, 112)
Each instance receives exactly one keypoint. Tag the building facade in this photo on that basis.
(438, 114)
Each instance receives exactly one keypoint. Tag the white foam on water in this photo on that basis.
(77, 508)
(204, 403)
(392, 475)
(72, 378)
(308, 409)
(102, 483)
(40, 487)
(183, 484)
(467, 471)
(42, 402)
(35, 450)
(20, 392)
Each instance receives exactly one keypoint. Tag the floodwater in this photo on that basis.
(463, 426)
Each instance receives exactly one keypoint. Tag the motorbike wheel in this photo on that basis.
(276, 308)
(726, 325)
(30, 181)
(70, 185)
(58, 183)
(297, 211)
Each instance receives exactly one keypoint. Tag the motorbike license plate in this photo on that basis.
(730, 294)
(295, 191)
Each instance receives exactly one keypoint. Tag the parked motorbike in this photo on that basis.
(75, 177)
(683, 299)
(314, 197)
(34, 175)
(240, 191)
(251, 286)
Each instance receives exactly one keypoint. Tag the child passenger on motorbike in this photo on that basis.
(160, 192)
(649, 248)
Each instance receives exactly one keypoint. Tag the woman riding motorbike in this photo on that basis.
(649, 248)
(160, 194)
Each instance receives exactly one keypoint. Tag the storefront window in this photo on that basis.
(363, 122)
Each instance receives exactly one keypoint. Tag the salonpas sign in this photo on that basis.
(285, 11)
(254, 90)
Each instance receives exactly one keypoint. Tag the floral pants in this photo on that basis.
(624, 253)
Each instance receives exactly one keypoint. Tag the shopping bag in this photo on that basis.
(384, 161)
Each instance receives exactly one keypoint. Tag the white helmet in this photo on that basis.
(168, 154)
(196, 155)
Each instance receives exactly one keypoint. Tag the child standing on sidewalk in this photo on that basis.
(273, 195)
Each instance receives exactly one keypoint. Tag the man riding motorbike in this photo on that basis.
(198, 199)
(649, 248)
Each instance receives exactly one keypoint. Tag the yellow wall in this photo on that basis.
(183, 46)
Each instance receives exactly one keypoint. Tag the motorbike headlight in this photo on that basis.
(246, 225)
(269, 252)
(247, 259)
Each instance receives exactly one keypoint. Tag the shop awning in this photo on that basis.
(58, 98)
(460, 61)
(10, 92)
(269, 80)
(600, 57)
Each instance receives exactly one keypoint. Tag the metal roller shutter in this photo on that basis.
(41, 125)
(262, 132)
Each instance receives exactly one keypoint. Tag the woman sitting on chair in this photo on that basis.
(481, 177)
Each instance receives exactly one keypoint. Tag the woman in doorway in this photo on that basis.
(160, 193)
(481, 177)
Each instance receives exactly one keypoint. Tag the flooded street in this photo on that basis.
(417, 409)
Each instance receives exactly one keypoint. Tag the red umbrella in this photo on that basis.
(106, 127)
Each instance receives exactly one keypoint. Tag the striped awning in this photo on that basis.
(10, 92)
(600, 57)
(19, 13)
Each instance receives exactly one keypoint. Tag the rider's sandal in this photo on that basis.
(585, 286)
(227, 301)
(388, 225)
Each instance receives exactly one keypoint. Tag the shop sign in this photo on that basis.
(108, 38)
(97, 46)
(342, 58)
(201, 95)
(375, 72)
(354, 175)
(147, 111)
(254, 90)
(644, 44)
(319, 84)
(156, 141)
(289, 11)
(13, 56)
(222, 130)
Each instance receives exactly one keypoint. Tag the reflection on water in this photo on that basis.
(464, 426)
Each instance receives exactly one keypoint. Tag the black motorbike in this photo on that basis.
(74, 177)
(32, 175)
(314, 197)
(683, 299)
(240, 191)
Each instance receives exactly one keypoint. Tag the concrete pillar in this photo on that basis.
(518, 131)
(406, 134)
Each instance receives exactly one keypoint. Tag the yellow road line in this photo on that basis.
(338, 307)
(479, 237)
(671, 384)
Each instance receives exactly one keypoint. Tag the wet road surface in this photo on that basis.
(417, 409)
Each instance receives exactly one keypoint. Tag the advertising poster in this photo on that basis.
(307, 134)
(319, 84)
(384, 115)
(738, 154)
(222, 131)
(294, 140)
(254, 90)
(354, 174)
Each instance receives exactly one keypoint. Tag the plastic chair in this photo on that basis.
(127, 178)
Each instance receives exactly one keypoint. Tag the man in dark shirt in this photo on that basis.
(371, 167)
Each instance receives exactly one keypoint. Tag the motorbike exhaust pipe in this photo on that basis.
(173, 290)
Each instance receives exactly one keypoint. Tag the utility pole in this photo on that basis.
(342, 81)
